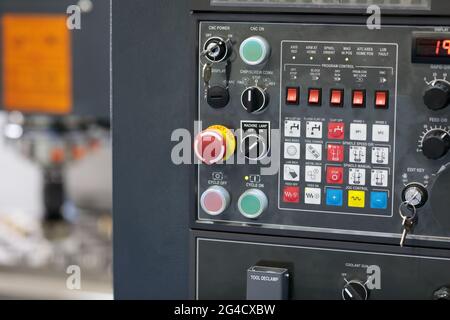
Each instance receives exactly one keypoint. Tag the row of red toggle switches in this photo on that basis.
(337, 97)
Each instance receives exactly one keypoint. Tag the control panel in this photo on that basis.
(324, 128)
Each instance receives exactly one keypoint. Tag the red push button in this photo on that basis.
(336, 130)
(314, 97)
(335, 153)
(335, 175)
(359, 98)
(292, 95)
(336, 98)
(381, 99)
(215, 200)
(291, 194)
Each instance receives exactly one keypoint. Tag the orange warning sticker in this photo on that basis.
(37, 66)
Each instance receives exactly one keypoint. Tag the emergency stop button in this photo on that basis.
(214, 144)
(215, 200)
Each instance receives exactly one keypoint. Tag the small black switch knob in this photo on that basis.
(437, 97)
(436, 144)
(355, 290)
(254, 99)
(218, 97)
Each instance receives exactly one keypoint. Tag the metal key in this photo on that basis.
(407, 224)
(408, 219)
(207, 73)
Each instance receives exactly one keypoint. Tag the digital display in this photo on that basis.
(431, 49)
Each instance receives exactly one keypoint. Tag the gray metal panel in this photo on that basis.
(151, 58)
(90, 51)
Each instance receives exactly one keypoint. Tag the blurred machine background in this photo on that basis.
(55, 152)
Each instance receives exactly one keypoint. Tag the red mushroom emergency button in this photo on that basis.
(214, 144)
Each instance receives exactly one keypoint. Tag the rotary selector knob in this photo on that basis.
(254, 99)
(355, 290)
(254, 146)
(415, 194)
(439, 197)
(254, 50)
(436, 144)
(215, 200)
(252, 203)
(437, 96)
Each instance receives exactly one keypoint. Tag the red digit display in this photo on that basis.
(432, 50)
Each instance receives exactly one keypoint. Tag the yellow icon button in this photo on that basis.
(356, 199)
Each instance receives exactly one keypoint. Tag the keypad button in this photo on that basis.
(334, 197)
(313, 151)
(313, 196)
(314, 129)
(291, 194)
(292, 128)
(379, 178)
(313, 174)
(357, 154)
(380, 132)
(358, 131)
(291, 172)
(356, 199)
(380, 155)
(356, 177)
(336, 130)
(378, 200)
(335, 153)
(291, 150)
(335, 175)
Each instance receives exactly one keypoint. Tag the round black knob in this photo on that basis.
(254, 99)
(439, 199)
(442, 294)
(218, 97)
(437, 97)
(436, 144)
(354, 290)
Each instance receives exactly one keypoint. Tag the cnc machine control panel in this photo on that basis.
(324, 128)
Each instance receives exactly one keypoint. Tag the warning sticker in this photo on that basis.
(37, 75)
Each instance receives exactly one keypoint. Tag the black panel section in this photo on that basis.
(90, 52)
(318, 269)
(151, 99)
(438, 7)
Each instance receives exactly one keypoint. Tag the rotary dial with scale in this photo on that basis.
(435, 142)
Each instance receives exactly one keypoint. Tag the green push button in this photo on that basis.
(254, 50)
(252, 203)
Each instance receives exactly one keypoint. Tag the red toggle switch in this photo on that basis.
(359, 98)
(292, 94)
(336, 98)
(314, 97)
(381, 99)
